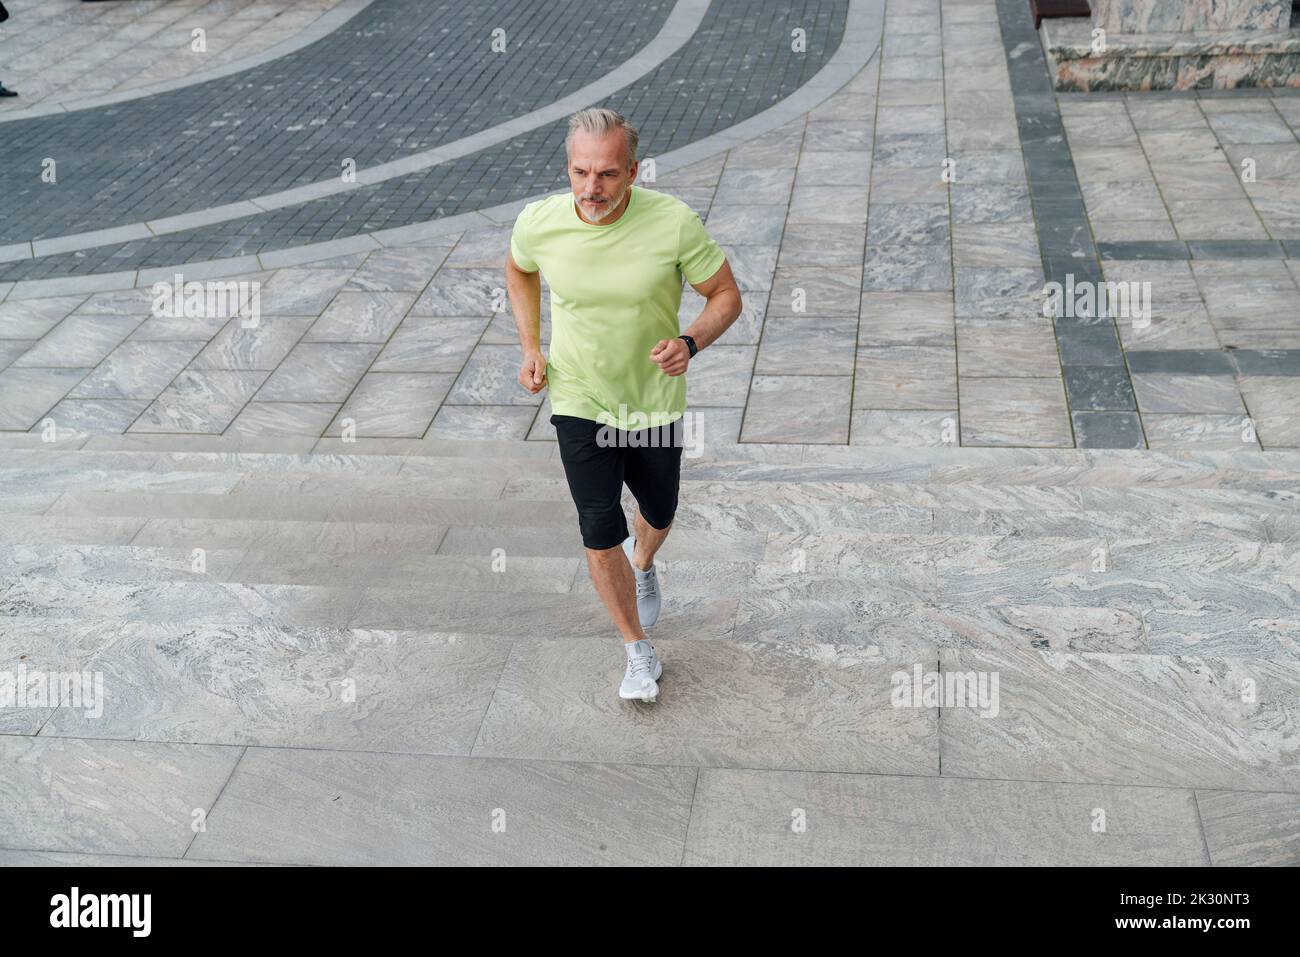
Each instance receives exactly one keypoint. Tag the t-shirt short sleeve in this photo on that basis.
(698, 256)
(521, 249)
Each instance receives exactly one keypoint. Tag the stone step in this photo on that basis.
(259, 502)
(306, 806)
(1061, 567)
(1268, 514)
(306, 553)
(983, 465)
(839, 552)
(1227, 615)
(1065, 716)
(910, 509)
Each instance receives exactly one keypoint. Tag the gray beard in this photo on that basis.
(610, 206)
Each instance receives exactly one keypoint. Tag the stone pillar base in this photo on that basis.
(1169, 61)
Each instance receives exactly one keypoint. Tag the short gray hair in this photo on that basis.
(600, 121)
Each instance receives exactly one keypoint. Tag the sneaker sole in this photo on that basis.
(659, 673)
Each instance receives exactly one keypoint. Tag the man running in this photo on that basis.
(614, 255)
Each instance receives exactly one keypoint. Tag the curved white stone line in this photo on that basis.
(325, 24)
(679, 27)
(860, 42)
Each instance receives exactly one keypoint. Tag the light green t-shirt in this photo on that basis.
(615, 292)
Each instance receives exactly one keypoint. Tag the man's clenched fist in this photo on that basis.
(532, 373)
(672, 355)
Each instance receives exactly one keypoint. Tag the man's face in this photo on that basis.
(599, 173)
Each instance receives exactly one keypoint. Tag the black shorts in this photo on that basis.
(599, 459)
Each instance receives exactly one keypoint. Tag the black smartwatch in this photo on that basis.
(690, 344)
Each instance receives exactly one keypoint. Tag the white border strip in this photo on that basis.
(679, 27)
(861, 40)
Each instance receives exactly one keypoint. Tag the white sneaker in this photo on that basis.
(647, 587)
(643, 672)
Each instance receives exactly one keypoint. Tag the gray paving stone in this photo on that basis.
(831, 168)
(739, 185)
(1108, 430)
(804, 408)
(318, 372)
(262, 346)
(282, 805)
(490, 377)
(1229, 433)
(301, 291)
(33, 318)
(1000, 202)
(481, 422)
(778, 402)
(1038, 693)
(284, 418)
(720, 375)
(998, 291)
(995, 244)
(462, 292)
(818, 245)
(908, 224)
(78, 342)
(1098, 388)
(1000, 347)
(136, 370)
(96, 415)
(743, 817)
(11, 349)
(907, 185)
(907, 268)
(988, 166)
(430, 344)
(1179, 393)
(403, 269)
(108, 796)
(1267, 362)
(828, 204)
(334, 689)
(393, 404)
(905, 377)
(1014, 412)
(752, 266)
(906, 318)
(813, 346)
(1245, 829)
(27, 394)
(739, 222)
(905, 428)
(200, 401)
(532, 712)
(1273, 401)
(361, 317)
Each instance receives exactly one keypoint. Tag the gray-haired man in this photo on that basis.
(614, 255)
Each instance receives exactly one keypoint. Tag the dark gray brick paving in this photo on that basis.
(1099, 389)
(1180, 361)
(401, 77)
(1096, 379)
(733, 68)
(1108, 430)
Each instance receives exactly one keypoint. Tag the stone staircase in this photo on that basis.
(392, 653)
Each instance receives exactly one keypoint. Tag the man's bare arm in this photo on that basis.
(525, 291)
(722, 309)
